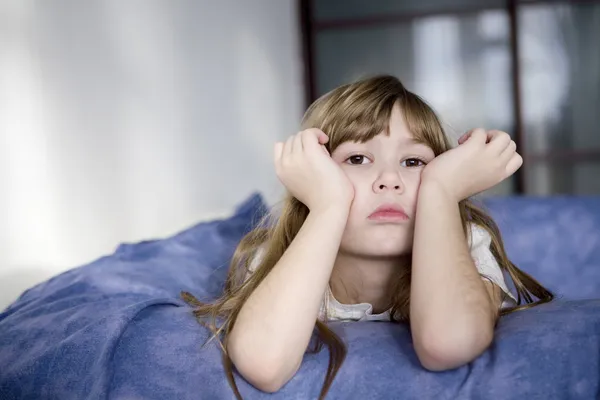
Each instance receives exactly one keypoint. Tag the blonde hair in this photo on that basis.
(358, 111)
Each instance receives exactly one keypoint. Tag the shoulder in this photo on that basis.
(479, 237)
(485, 262)
(256, 258)
(479, 242)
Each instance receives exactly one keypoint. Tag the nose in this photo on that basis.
(388, 181)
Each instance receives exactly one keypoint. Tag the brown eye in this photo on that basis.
(412, 163)
(357, 159)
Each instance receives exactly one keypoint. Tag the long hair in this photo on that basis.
(358, 112)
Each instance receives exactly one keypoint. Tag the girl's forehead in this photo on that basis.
(388, 142)
(401, 137)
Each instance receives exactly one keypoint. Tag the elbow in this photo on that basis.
(264, 378)
(268, 374)
(438, 360)
(444, 352)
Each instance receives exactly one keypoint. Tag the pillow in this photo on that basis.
(555, 239)
(116, 328)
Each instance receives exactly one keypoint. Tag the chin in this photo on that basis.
(390, 251)
(368, 247)
(378, 241)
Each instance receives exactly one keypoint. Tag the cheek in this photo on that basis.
(412, 181)
(358, 180)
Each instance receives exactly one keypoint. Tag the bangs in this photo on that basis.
(423, 123)
(359, 125)
(359, 111)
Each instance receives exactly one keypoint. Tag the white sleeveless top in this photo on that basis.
(479, 243)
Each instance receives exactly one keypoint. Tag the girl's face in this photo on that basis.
(385, 172)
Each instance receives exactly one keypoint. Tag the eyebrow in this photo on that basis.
(412, 140)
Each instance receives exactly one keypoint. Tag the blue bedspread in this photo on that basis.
(117, 329)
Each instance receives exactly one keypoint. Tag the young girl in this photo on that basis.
(377, 226)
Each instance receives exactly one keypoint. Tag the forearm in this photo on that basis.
(274, 326)
(451, 316)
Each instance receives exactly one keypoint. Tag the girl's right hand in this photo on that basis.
(306, 169)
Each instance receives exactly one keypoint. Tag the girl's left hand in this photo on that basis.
(481, 161)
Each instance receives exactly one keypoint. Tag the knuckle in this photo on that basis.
(500, 135)
(311, 131)
(306, 134)
(479, 131)
(285, 161)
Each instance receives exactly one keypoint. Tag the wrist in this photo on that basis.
(332, 213)
(431, 186)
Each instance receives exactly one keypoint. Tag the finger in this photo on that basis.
(310, 139)
(297, 145)
(277, 151)
(314, 138)
(309, 135)
(498, 140)
(465, 137)
(287, 148)
(514, 164)
(323, 138)
(509, 152)
(478, 135)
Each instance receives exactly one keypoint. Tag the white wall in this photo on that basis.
(128, 120)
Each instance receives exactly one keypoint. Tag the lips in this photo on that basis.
(389, 212)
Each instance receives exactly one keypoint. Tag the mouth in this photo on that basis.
(389, 213)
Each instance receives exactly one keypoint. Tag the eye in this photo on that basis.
(412, 162)
(357, 159)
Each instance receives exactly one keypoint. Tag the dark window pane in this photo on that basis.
(563, 177)
(352, 9)
(560, 75)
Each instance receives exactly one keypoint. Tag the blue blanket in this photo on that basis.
(116, 328)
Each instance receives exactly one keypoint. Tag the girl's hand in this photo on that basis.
(306, 169)
(481, 161)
